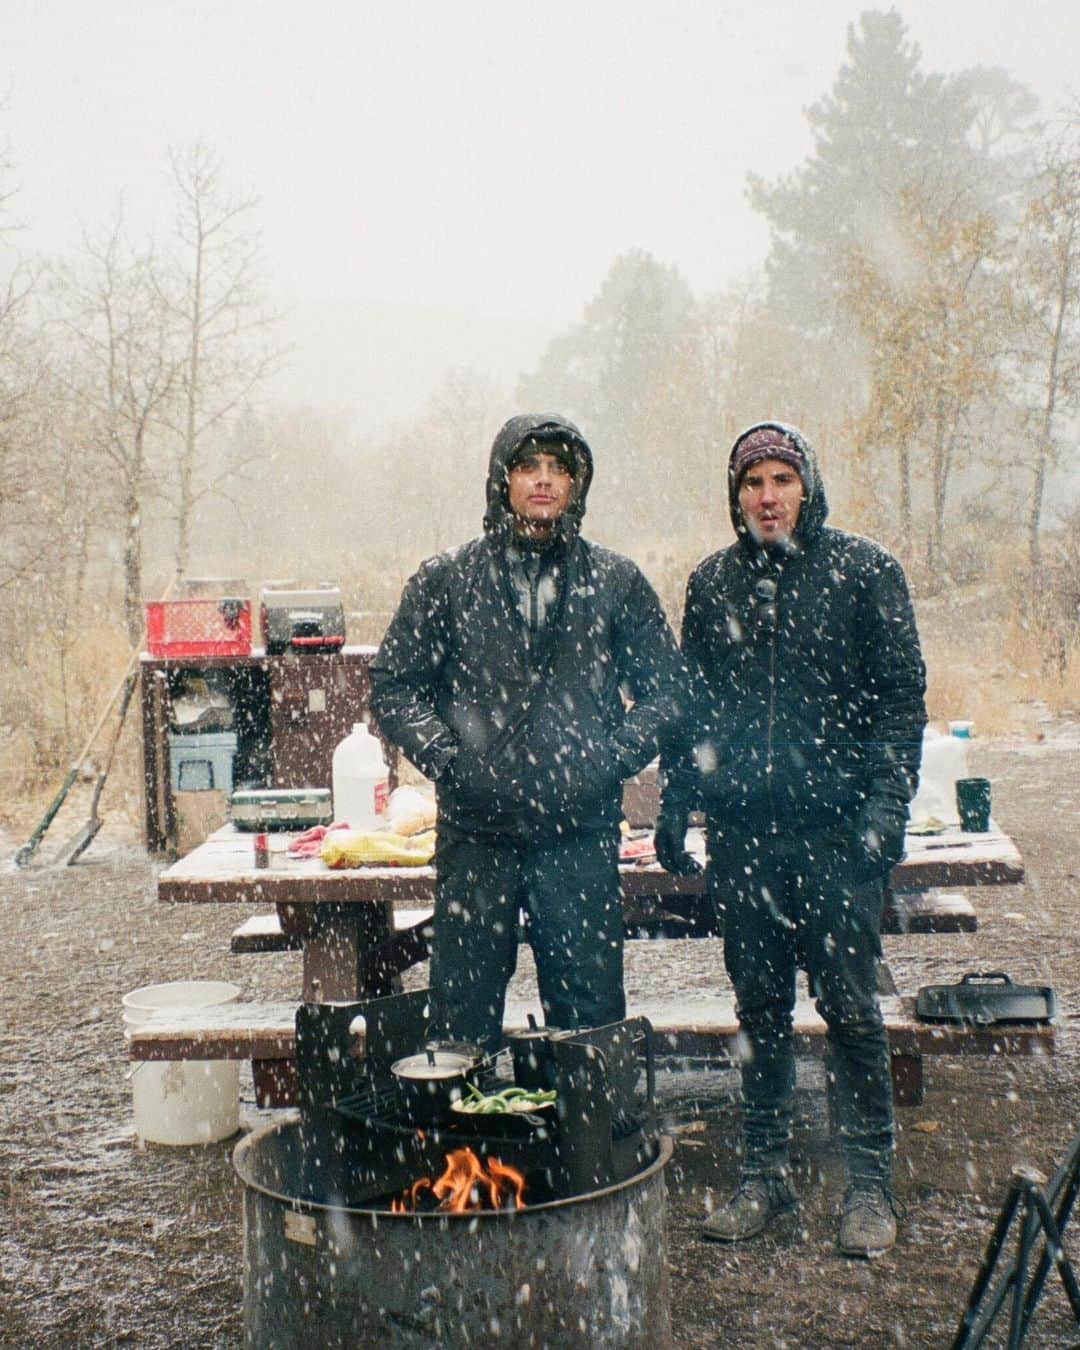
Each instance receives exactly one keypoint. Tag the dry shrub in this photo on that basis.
(972, 672)
(48, 715)
(962, 685)
(1045, 628)
(1047, 659)
(97, 662)
(19, 771)
(669, 572)
(1002, 647)
(1000, 702)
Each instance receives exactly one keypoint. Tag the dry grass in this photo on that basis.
(48, 724)
(996, 671)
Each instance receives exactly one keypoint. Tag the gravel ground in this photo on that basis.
(105, 1242)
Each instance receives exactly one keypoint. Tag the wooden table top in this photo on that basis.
(222, 871)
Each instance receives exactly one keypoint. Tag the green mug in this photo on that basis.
(973, 804)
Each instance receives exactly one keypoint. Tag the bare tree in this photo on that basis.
(32, 552)
(211, 290)
(21, 545)
(1047, 299)
(125, 369)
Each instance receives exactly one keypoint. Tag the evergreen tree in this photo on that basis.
(887, 243)
(884, 130)
(633, 374)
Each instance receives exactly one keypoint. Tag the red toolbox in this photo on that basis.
(176, 628)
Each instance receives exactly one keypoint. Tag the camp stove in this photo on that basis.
(302, 621)
(602, 1129)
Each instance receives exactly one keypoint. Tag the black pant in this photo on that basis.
(792, 902)
(569, 891)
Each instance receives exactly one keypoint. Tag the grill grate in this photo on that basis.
(602, 1129)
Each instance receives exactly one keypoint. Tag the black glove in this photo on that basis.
(879, 830)
(670, 838)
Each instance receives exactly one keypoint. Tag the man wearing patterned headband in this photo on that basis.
(803, 751)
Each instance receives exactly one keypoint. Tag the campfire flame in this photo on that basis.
(466, 1185)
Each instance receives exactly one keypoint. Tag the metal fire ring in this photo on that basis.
(251, 1142)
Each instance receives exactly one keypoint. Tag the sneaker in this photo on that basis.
(750, 1210)
(868, 1221)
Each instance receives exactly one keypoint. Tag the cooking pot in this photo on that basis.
(429, 1083)
(985, 998)
(534, 1060)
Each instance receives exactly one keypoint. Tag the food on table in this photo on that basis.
(377, 848)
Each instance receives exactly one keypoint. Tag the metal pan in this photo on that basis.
(985, 998)
(429, 1083)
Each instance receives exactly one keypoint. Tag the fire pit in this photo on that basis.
(561, 1241)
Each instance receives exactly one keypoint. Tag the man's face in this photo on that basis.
(770, 498)
(539, 492)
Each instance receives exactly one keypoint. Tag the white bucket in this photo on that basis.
(183, 1101)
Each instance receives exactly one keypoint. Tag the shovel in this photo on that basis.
(77, 846)
(125, 686)
(22, 858)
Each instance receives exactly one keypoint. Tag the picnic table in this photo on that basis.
(360, 928)
(344, 918)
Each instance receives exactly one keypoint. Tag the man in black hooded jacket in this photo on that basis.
(528, 672)
(803, 751)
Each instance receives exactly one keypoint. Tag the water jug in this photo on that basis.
(944, 760)
(360, 782)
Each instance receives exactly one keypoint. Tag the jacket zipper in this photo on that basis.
(772, 713)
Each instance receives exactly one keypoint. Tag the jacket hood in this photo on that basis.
(498, 522)
(815, 507)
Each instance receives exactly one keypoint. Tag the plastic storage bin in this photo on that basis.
(178, 628)
(202, 761)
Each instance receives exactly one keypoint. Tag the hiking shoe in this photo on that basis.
(868, 1221)
(751, 1209)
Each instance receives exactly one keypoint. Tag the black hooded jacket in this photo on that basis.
(527, 733)
(808, 702)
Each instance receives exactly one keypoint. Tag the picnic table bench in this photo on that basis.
(359, 929)
(701, 1029)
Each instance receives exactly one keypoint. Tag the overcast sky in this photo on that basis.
(485, 155)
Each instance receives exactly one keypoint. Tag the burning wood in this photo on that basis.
(465, 1184)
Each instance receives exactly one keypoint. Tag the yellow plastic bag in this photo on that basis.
(377, 848)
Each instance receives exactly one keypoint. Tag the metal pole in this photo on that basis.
(1019, 1271)
(968, 1335)
(1061, 1195)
